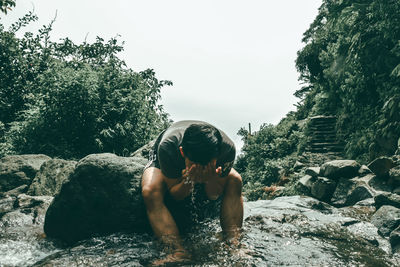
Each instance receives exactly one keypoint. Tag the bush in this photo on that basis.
(268, 155)
(67, 100)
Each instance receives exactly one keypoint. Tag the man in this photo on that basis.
(189, 153)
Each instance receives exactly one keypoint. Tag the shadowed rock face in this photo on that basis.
(103, 195)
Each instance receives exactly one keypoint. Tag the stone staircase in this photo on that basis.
(322, 135)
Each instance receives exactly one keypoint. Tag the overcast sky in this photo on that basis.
(231, 61)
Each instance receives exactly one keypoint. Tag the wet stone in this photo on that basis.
(387, 199)
(18, 170)
(6, 204)
(340, 168)
(17, 191)
(313, 171)
(358, 194)
(395, 240)
(364, 170)
(381, 166)
(386, 219)
(323, 189)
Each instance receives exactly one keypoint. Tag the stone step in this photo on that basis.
(321, 127)
(323, 133)
(326, 144)
(324, 150)
(321, 122)
(321, 117)
(321, 140)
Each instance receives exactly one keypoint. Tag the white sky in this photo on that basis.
(231, 61)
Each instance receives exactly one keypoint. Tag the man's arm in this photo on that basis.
(178, 188)
(182, 187)
(232, 206)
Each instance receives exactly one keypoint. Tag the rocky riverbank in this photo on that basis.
(66, 213)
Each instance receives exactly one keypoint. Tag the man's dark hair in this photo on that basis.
(201, 143)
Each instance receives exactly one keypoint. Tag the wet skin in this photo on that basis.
(155, 184)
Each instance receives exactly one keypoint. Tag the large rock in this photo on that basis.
(103, 195)
(343, 189)
(358, 194)
(386, 219)
(395, 240)
(51, 176)
(19, 170)
(394, 175)
(381, 166)
(323, 189)
(364, 170)
(303, 185)
(385, 198)
(350, 191)
(313, 171)
(340, 169)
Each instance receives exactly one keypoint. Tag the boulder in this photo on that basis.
(19, 170)
(380, 183)
(6, 205)
(385, 198)
(395, 240)
(304, 184)
(342, 190)
(397, 190)
(386, 219)
(313, 171)
(17, 191)
(359, 193)
(298, 166)
(381, 166)
(323, 189)
(103, 195)
(52, 174)
(394, 175)
(350, 191)
(364, 170)
(340, 169)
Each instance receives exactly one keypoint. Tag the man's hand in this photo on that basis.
(202, 174)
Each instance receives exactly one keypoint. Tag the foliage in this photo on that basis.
(267, 153)
(350, 67)
(6, 5)
(69, 100)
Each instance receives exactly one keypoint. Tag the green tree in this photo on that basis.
(69, 100)
(350, 68)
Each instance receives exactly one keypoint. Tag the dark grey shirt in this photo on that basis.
(171, 161)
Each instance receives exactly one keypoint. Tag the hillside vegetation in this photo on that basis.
(349, 68)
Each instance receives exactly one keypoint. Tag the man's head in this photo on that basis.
(201, 143)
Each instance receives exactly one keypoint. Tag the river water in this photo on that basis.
(288, 231)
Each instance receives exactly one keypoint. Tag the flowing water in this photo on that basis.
(290, 231)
